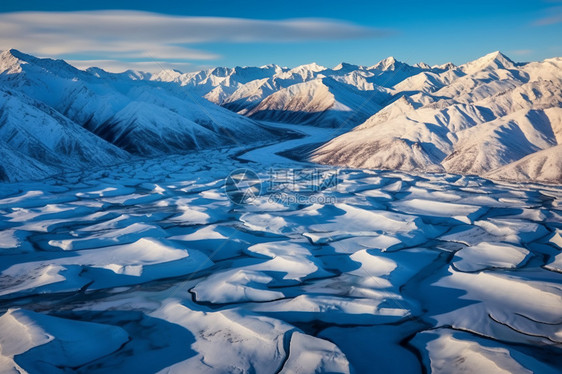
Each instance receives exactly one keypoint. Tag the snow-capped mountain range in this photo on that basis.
(54, 117)
(139, 260)
(490, 117)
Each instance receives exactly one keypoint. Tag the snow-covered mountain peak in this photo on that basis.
(548, 69)
(345, 67)
(498, 55)
(13, 61)
(224, 72)
(554, 60)
(270, 66)
(304, 72)
(445, 66)
(494, 60)
(15, 54)
(167, 75)
(273, 68)
(388, 63)
(127, 74)
(307, 69)
(10, 63)
(422, 65)
(390, 112)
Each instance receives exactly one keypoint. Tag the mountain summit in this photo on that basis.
(494, 60)
(389, 63)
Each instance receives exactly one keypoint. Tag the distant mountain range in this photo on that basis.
(491, 117)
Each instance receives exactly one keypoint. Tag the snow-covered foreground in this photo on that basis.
(149, 267)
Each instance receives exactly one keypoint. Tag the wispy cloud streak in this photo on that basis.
(141, 36)
(553, 15)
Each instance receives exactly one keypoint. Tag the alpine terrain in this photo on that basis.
(353, 219)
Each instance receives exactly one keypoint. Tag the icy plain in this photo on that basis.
(148, 267)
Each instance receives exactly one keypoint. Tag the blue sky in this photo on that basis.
(188, 35)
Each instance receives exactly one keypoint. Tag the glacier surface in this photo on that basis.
(148, 267)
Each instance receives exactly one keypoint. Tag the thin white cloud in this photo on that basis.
(553, 16)
(115, 35)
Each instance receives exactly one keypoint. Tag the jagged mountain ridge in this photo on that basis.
(295, 95)
(470, 119)
(103, 118)
(474, 119)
